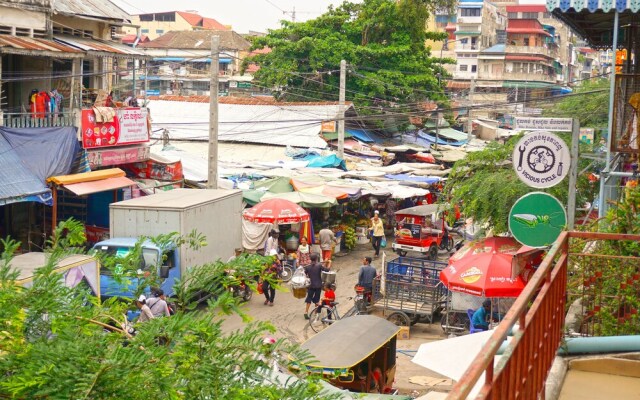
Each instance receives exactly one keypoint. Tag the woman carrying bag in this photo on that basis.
(377, 232)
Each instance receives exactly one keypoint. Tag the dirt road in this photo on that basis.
(287, 315)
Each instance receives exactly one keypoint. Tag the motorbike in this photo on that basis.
(241, 289)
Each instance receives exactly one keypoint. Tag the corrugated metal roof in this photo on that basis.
(91, 8)
(31, 46)
(527, 8)
(98, 48)
(526, 26)
(198, 40)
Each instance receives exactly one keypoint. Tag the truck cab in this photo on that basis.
(167, 268)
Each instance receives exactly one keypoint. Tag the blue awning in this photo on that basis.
(17, 183)
(175, 59)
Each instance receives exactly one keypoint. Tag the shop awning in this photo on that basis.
(100, 48)
(466, 33)
(329, 136)
(593, 19)
(27, 46)
(104, 185)
(93, 182)
(527, 26)
(458, 85)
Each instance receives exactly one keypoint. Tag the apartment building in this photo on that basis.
(154, 25)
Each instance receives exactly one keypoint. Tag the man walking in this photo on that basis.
(327, 241)
(365, 277)
(314, 272)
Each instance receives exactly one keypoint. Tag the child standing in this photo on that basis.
(329, 297)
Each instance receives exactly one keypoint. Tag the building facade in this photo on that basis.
(155, 25)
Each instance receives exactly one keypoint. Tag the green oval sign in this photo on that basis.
(536, 219)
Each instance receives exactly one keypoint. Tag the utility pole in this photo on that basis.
(343, 87)
(573, 174)
(212, 177)
(472, 90)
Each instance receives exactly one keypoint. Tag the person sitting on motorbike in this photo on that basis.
(365, 277)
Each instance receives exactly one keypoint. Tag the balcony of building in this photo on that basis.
(585, 290)
(33, 120)
(532, 50)
(527, 76)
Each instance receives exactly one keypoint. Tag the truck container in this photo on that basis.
(214, 213)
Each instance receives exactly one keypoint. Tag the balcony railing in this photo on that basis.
(537, 317)
(539, 50)
(526, 76)
(27, 120)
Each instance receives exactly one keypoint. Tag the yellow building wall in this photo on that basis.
(153, 26)
(431, 27)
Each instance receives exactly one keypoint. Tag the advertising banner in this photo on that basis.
(128, 126)
(115, 156)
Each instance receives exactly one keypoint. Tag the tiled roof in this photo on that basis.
(129, 39)
(196, 40)
(191, 18)
(526, 26)
(29, 46)
(210, 23)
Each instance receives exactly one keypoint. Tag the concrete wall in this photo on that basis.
(18, 18)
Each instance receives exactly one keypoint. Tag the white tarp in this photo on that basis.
(452, 357)
(281, 125)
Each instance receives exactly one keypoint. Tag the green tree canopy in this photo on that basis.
(487, 186)
(58, 342)
(591, 109)
(383, 42)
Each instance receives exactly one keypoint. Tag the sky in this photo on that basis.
(242, 15)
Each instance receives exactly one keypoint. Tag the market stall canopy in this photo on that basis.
(93, 182)
(416, 179)
(276, 211)
(349, 341)
(423, 211)
(275, 185)
(483, 268)
(308, 200)
(18, 183)
(330, 161)
(403, 192)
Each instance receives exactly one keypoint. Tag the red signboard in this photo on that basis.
(129, 126)
(104, 158)
(96, 234)
(153, 169)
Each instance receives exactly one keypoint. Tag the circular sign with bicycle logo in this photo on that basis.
(536, 219)
(541, 159)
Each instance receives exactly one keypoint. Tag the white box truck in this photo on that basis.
(214, 213)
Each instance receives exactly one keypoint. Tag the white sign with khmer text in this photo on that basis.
(543, 124)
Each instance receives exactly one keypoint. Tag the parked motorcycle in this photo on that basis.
(242, 289)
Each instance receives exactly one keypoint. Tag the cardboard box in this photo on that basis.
(404, 333)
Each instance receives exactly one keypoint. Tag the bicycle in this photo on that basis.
(286, 272)
(325, 315)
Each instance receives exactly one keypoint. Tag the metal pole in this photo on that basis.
(437, 130)
(343, 87)
(472, 90)
(212, 180)
(573, 174)
(146, 81)
(602, 209)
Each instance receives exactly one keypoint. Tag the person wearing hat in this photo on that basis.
(272, 242)
(480, 318)
(145, 311)
(377, 232)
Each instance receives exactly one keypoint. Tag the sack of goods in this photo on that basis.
(299, 283)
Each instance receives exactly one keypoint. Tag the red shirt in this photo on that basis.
(329, 297)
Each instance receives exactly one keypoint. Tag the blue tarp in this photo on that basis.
(331, 161)
(361, 135)
(28, 156)
(412, 178)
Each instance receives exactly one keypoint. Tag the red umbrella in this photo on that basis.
(483, 268)
(276, 211)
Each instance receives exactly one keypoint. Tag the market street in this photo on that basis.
(287, 316)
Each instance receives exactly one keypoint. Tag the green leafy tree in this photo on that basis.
(383, 42)
(487, 186)
(58, 342)
(591, 109)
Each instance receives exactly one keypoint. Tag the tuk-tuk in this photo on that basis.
(353, 352)
(416, 230)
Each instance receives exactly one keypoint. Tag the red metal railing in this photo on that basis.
(536, 320)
